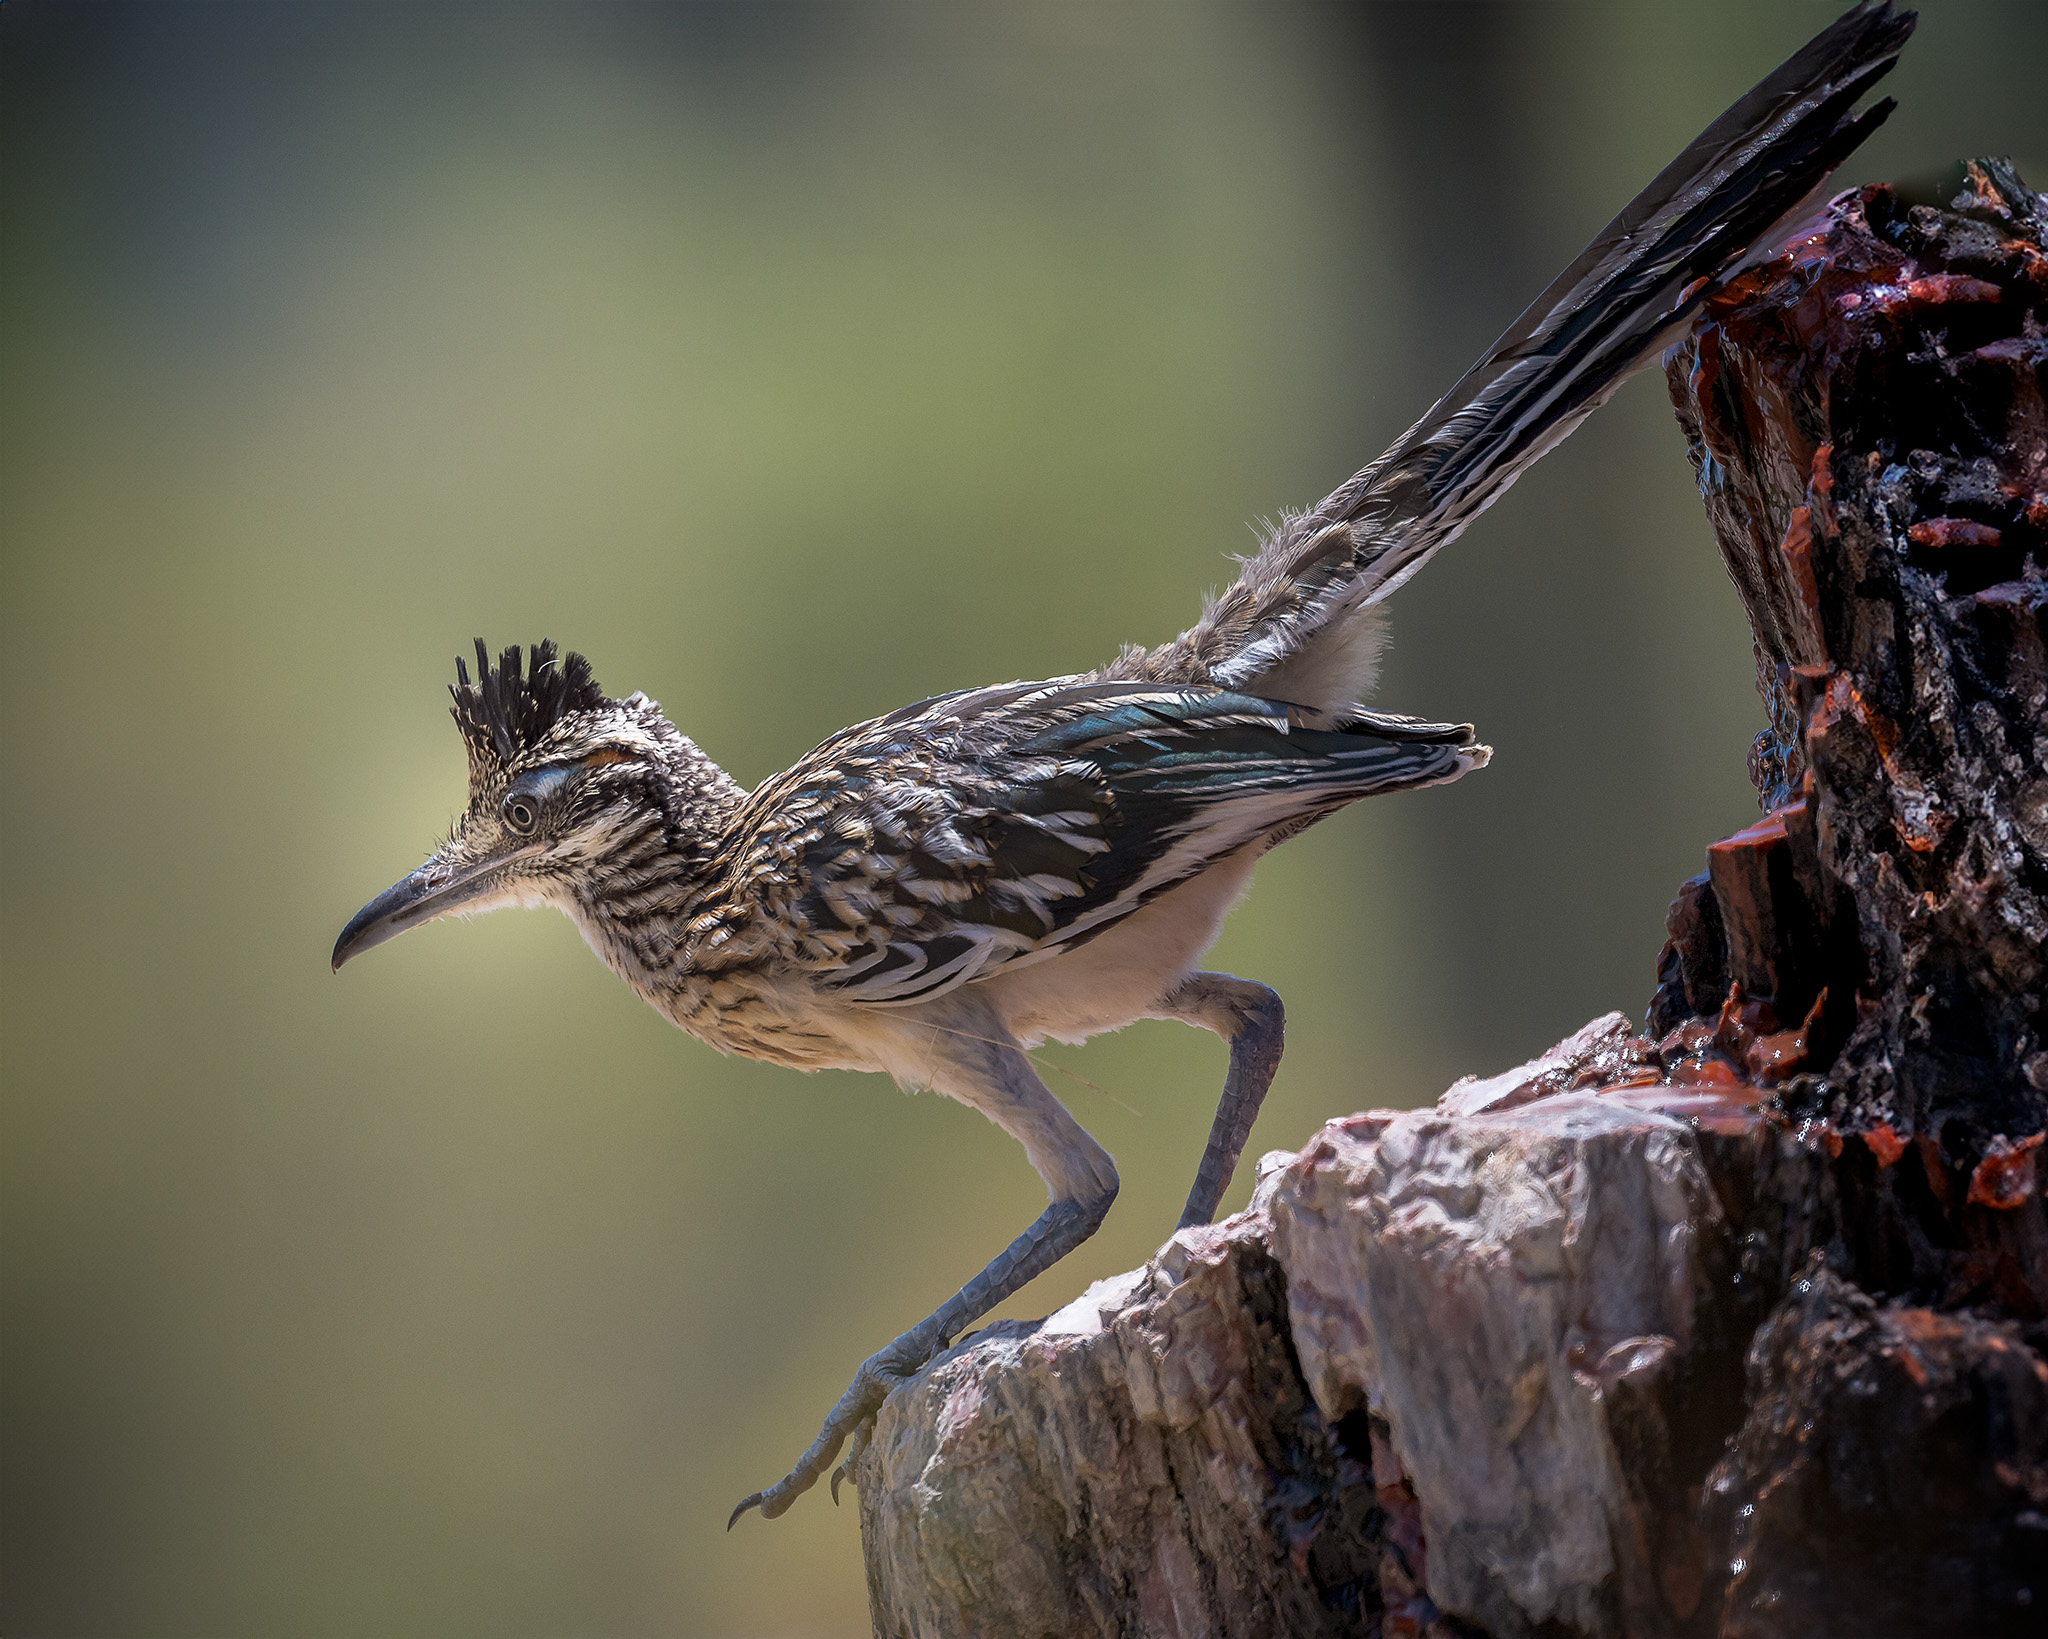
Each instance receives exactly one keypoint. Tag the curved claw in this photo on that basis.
(856, 1408)
(856, 1443)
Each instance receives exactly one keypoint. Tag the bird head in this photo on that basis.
(561, 779)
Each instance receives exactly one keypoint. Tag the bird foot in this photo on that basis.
(852, 1418)
(856, 1443)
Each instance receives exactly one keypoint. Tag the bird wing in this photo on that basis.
(980, 831)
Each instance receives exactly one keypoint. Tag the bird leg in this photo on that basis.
(1249, 1017)
(1060, 1228)
(980, 1068)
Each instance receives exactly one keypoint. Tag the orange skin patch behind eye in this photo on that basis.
(607, 754)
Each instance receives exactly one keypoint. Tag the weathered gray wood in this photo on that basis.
(1735, 1327)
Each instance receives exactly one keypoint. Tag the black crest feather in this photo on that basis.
(505, 713)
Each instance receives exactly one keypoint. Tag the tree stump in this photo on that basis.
(1733, 1326)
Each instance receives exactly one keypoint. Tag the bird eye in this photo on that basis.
(519, 813)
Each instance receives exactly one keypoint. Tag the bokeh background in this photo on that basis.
(793, 362)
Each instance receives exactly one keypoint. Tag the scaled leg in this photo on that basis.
(1249, 1017)
(993, 1076)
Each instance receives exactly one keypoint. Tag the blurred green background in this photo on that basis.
(793, 362)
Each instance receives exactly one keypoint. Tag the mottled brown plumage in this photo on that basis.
(930, 893)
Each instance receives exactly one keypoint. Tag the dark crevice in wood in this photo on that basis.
(1735, 1327)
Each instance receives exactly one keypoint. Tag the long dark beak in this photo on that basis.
(433, 890)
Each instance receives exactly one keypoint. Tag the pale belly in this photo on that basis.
(1118, 976)
(1112, 980)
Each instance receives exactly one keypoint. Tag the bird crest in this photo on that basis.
(504, 715)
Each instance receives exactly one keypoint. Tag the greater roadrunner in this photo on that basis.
(931, 893)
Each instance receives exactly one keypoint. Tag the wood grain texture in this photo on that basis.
(1737, 1326)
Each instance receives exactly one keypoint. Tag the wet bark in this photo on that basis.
(1734, 1325)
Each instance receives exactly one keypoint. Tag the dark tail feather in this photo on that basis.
(1602, 318)
(1599, 321)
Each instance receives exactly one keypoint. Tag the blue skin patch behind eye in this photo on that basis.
(543, 782)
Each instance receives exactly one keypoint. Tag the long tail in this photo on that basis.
(1300, 623)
